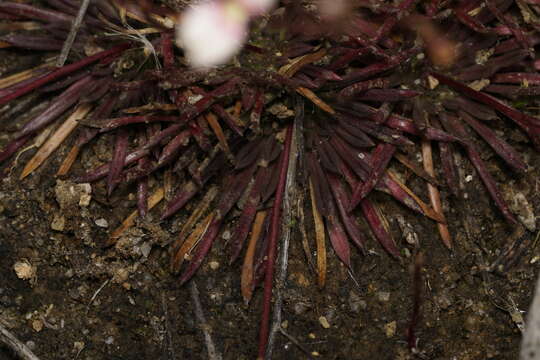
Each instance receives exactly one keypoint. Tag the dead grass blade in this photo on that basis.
(218, 131)
(153, 200)
(56, 139)
(66, 165)
(190, 243)
(297, 63)
(320, 238)
(416, 169)
(426, 209)
(246, 279)
(434, 195)
(150, 108)
(20, 25)
(310, 95)
(23, 75)
(305, 242)
(196, 215)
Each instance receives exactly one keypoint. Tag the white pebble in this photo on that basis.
(102, 223)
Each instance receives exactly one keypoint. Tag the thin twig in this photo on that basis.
(7, 338)
(96, 294)
(530, 344)
(213, 354)
(170, 354)
(288, 200)
(72, 34)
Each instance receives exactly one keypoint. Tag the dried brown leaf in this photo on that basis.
(310, 95)
(218, 131)
(68, 161)
(428, 211)
(247, 267)
(320, 238)
(434, 195)
(153, 200)
(190, 243)
(55, 140)
(297, 63)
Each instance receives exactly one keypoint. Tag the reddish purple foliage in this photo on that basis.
(381, 95)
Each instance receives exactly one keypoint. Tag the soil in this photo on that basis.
(72, 298)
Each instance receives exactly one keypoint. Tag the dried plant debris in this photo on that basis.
(426, 77)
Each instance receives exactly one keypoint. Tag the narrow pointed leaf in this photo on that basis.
(474, 156)
(68, 69)
(342, 199)
(63, 102)
(153, 200)
(320, 234)
(118, 161)
(498, 145)
(273, 236)
(189, 244)
(381, 157)
(375, 223)
(246, 279)
(434, 195)
(339, 241)
(55, 140)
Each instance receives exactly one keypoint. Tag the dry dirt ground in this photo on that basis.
(71, 298)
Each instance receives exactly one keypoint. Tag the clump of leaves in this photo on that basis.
(390, 80)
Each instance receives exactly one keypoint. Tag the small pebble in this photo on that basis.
(433, 83)
(102, 223)
(58, 223)
(390, 329)
(226, 235)
(37, 325)
(120, 275)
(324, 323)
(24, 270)
(145, 249)
(78, 345)
(383, 296)
(356, 303)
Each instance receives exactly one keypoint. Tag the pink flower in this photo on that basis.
(257, 7)
(211, 33)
